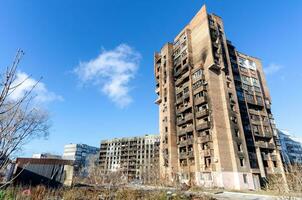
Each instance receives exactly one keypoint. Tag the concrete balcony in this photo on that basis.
(158, 100)
(176, 60)
(204, 138)
(265, 145)
(179, 101)
(182, 131)
(256, 122)
(260, 103)
(200, 100)
(185, 75)
(182, 109)
(182, 143)
(187, 118)
(181, 79)
(178, 90)
(190, 154)
(251, 101)
(264, 135)
(266, 123)
(202, 113)
(241, 154)
(177, 73)
(190, 141)
(203, 126)
(207, 152)
(267, 105)
(182, 155)
(273, 157)
(189, 129)
(186, 95)
(199, 89)
(216, 65)
(185, 68)
(157, 89)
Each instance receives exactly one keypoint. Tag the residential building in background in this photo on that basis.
(291, 148)
(80, 154)
(135, 157)
(215, 119)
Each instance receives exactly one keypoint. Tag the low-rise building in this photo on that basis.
(136, 157)
(291, 148)
(46, 171)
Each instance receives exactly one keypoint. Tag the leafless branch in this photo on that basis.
(20, 120)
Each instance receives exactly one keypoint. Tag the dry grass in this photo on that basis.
(290, 189)
(42, 193)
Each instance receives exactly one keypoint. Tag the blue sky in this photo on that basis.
(67, 41)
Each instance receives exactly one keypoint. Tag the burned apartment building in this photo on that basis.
(135, 157)
(215, 119)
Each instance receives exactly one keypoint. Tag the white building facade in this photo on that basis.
(291, 148)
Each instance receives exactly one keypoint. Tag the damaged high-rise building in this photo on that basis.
(215, 119)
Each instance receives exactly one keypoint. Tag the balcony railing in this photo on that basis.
(202, 113)
(274, 157)
(268, 105)
(182, 155)
(190, 154)
(187, 118)
(207, 152)
(260, 103)
(158, 100)
(186, 95)
(199, 89)
(179, 101)
(181, 79)
(177, 73)
(203, 126)
(200, 100)
(184, 108)
(265, 145)
(257, 122)
(182, 131)
(204, 138)
(190, 140)
(251, 101)
(264, 135)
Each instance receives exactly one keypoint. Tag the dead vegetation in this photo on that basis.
(43, 193)
(290, 189)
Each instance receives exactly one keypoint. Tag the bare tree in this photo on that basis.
(150, 173)
(292, 188)
(20, 120)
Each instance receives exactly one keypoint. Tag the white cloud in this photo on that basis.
(272, 68)
(40, 92)
(112, 71)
